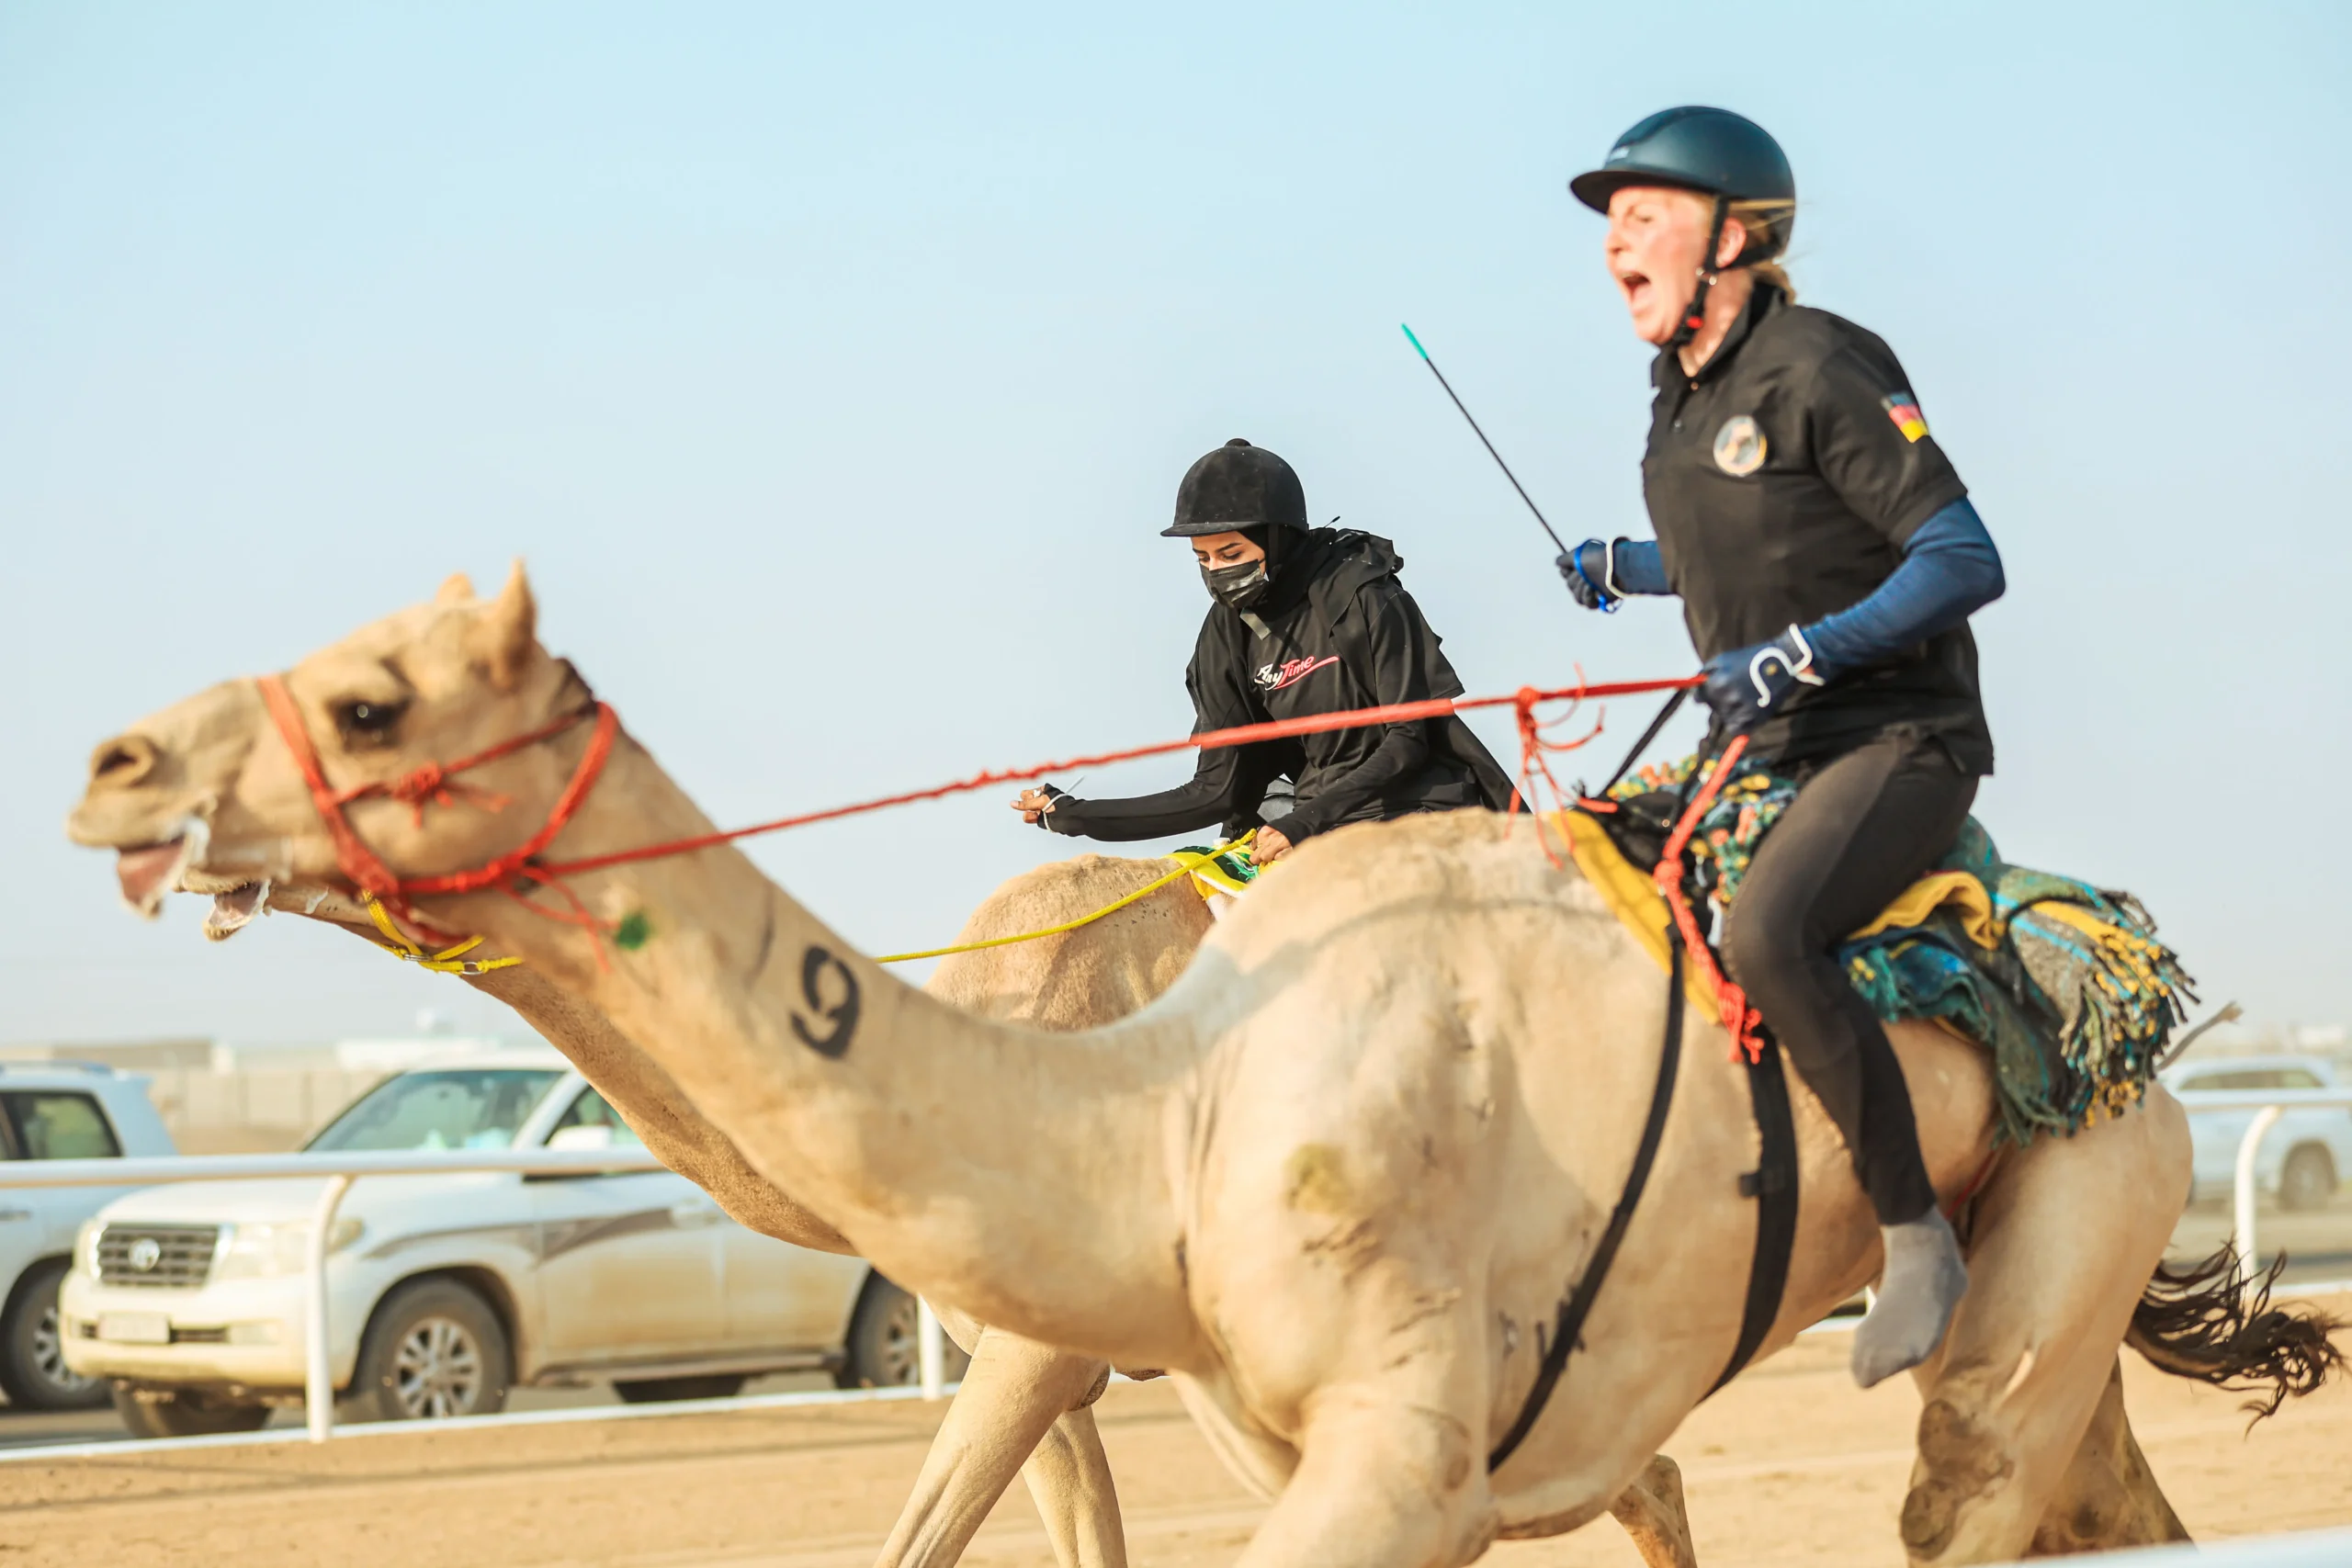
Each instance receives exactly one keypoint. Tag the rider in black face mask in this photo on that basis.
(1304, 622)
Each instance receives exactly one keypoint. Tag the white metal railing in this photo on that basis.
(2324, 1548)
(2268, 1105)
(339, 1171)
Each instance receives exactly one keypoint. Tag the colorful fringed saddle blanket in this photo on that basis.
(2064, 983)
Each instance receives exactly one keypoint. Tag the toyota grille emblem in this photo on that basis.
(144, 1253)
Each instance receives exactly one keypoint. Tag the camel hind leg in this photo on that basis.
(2206, 1321)
(1650, 1512)
(1069, 1480)
(1014, 1393)
(2109, 1497)
(2066, 1239)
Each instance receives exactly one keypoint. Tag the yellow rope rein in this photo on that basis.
(1190, 862)
(449, 961)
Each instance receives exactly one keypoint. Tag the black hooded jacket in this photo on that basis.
(1336, 631)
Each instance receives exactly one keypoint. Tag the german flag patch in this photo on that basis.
(1904, 410)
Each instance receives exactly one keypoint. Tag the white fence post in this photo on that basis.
(2244, 1190)
(931, 1350)
(318, 1359)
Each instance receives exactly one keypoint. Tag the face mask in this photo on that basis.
(1236, 587)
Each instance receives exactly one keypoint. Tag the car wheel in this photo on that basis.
(661, 1390)
(2309, 1180)
(884, 1349)
(33, 1372)
(433, 1349)
(184, 1413)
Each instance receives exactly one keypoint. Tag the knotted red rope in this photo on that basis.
(1731, 1003)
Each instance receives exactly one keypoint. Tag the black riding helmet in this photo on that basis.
(1240, 489)
(1236, 488)
(1714, 153)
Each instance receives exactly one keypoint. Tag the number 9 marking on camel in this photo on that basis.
(842, 1015)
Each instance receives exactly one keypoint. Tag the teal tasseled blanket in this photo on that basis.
(2064, 983)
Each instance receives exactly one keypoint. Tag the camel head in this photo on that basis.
(208, 798)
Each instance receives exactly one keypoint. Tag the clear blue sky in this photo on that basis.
(834, 367)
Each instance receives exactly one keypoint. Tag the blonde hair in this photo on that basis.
(1768, 223)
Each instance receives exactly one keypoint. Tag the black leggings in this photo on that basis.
(1862, 829)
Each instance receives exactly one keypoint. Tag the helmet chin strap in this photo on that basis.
(1696, 316)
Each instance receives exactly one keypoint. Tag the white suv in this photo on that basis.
(57, 1110)
(445, 1290)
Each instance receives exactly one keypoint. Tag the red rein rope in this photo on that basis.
(433, 781)
(1395, 713)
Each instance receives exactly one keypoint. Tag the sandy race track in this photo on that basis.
(1791, 1465)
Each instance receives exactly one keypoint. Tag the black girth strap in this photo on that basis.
(1578, 1305)
(1672, 705)
(1774, 1185)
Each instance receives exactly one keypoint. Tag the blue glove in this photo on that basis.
(1586, 572)
(1748, 685)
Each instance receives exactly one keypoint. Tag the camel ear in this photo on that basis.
(458, 589)
(504, 638)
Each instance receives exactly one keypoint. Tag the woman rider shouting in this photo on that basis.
(1303, 622)
(1828, 560)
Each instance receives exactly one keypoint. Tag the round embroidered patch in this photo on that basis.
(1739, 447)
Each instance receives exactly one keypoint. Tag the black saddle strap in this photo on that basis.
(1673, 705)
(1578, 1305)
(1774, 1185)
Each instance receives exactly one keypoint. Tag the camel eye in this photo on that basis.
(364, 721)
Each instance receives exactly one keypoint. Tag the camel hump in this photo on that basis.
(1081, 979)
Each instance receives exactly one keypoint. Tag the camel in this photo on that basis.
(1068, 980)
(1336, 1179)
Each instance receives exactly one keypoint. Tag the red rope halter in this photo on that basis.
(432, 782)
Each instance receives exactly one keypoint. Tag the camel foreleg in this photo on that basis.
(1015, 1392)
(1383, 1479)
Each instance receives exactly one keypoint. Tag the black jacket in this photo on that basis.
(1337, 631)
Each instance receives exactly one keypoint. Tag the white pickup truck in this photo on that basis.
(58, 1111)
(445, 1290)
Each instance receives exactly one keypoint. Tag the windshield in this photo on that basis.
(477, 1108)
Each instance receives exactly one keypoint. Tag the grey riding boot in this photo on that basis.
(1924, 1280)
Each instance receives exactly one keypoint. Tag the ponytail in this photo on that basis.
(1768, 224)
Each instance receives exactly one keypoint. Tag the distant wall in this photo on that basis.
(254, 1112)
(222, 1098)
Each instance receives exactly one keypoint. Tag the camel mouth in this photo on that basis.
(147, 873)
(234, 909)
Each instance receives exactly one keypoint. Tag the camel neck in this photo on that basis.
(949, 1149)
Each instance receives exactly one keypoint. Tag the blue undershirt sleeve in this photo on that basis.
(1635, 567)
(1949, 571)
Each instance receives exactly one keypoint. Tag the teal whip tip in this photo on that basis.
(1414, 341)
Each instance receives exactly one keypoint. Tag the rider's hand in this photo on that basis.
(1268, 847)
(1033, 804)
(1747, 685)
(1586, 572)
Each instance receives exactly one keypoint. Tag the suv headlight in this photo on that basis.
(86, 1246)
(268, 1250)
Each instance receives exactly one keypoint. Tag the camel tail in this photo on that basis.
(2207, 1320)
